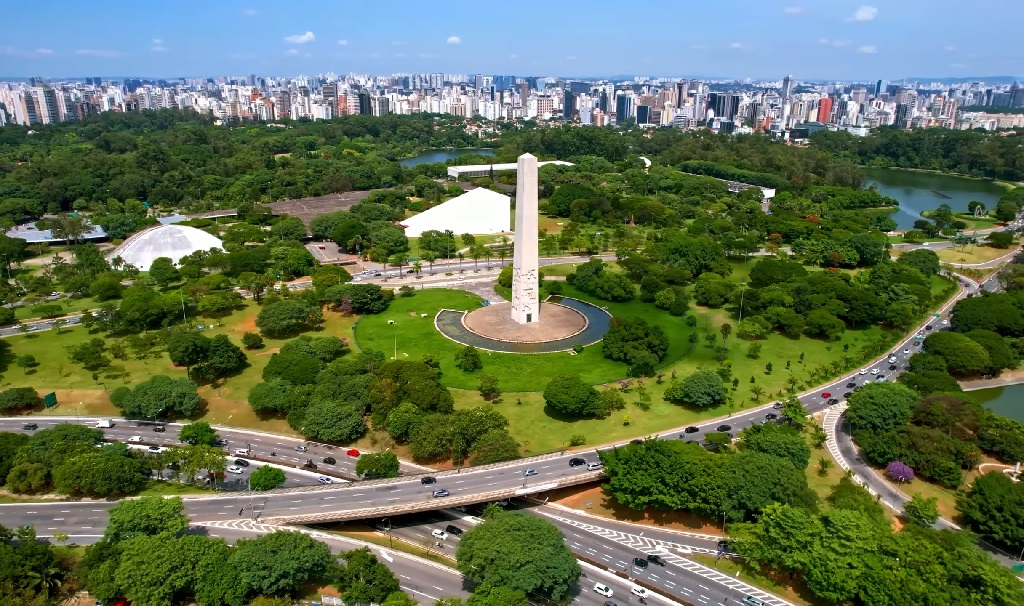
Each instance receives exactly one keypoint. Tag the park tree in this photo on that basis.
(702, 388)
(568, 395)
(145, 516)
(403, 420)
(467, 359)
(19, 399)
(288, 228)
(271, 396)
(921, 510)
(10, 444)
(279, 563)
(286, 317)
(364, 580)
(880, 407)
(157, 397)
(188, 349)
(252, 340)
(223, 358)
(486, 595)
(333, 422)
(1000, 239)
(521, 552)
(198, 432)
(295, 367)
(493, 447)
(106, 287)
(963, 355)
(489, 388)
(712, 290)
(104, 473)
(163, 272)
(1000, 354)
(635, 342)
(266, 478)
(993, 508)
(375, 465)
(923, 260)
(667, 475)
(751, 481)
(779, 441)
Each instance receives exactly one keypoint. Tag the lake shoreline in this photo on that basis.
(1005, 184)
(918, 191)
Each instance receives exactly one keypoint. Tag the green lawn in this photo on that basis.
(564, 269)
(170, 489)
(69, 306)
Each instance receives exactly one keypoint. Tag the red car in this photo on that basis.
(826, 394)
(352, 452)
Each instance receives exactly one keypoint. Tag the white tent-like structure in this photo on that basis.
(173, 241)
(478, 211)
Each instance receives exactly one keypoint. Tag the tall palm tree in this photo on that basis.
(430, 258)
(461, 257)
(417, 267)
(476, 253)
(757, 392)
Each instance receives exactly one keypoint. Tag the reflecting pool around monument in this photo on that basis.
(918, 191)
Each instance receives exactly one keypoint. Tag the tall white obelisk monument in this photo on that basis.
(525, 286)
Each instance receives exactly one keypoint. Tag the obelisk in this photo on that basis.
(525, 291)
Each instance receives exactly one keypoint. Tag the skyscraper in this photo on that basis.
(524, 92)
(787, 87)
(643, 114)
(623, 107)
(567, 104)
(682, 92)
(825, 109)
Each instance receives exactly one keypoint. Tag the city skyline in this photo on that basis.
(734, 39)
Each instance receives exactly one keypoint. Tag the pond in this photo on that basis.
(442, 155)
(917, 191)
(1006, 401)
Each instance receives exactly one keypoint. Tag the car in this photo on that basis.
(724, 428)
(159, 428)
(242, 451)
(221, 442)
(241, 462)
(453, 529)
(636, 441)
(880, 378)
(530, 472)
(906, 352)
(437, 533)
(577, 462)
(892, 359)
(639, 591)
(851, 385)
(377, 273)
(691, 429)
(301, 448)
(863, 371)
(325, 480)
(309, 464)
(602, 589)
(428, 480)
(640, 562)
(654, 558)
(848, 394)
(440, 492)
(832, 401)
(234, 469)
(875, 371)
(749, 600)
(771, 416)
(135, 439)
(352, 452)
(30, 427)
(329, 460)
(892, 367)
(944, 322)
(155, 449)
(610, 603)
(929, 327)
(594, 466)
(777, 405)
(826, 395)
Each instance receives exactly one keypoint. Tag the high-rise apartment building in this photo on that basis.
(825, 109)
(568, 102)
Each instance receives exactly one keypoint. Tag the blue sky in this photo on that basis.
(813, 39)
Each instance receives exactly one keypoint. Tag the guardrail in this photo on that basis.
(418, 506)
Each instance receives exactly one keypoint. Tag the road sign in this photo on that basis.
(50, 400)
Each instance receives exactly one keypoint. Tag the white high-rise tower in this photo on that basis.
(525, 279)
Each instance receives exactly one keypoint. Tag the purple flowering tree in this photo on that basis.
(899, 471)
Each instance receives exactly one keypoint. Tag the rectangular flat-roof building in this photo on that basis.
(482, 170)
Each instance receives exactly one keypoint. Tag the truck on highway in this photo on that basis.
(104, 424)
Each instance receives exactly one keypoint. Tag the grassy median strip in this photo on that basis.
(361, 533)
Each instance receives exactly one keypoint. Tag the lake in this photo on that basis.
(917, 191)
(442, 155)
(1006, 401)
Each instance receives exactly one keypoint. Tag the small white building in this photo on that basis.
(478, 211)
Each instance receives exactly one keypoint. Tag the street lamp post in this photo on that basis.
(392, 323)
(387, 531)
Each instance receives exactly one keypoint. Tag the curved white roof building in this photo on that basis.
(478, 211)
(173, 241)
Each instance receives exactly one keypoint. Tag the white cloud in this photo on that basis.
(949, 47)
(836, 43)
(793, 10)
(300, 38)
(454, 40)
(250, 12)
(159, 49)
(868, 49)
(291, 52)
(865, 13)
(737, 45)
(342, 42)
(107, 54)
(44, 51)
(513, 56)
(571, 58)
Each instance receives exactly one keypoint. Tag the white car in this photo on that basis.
(135, 439)
(602, 590)
(234, 469)
(640, 591)
(863, 371)
(874, 371)
(906, 352)
(325, 480)
(242, 452)
(437, 533)
(593, 466)
(892, 359)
